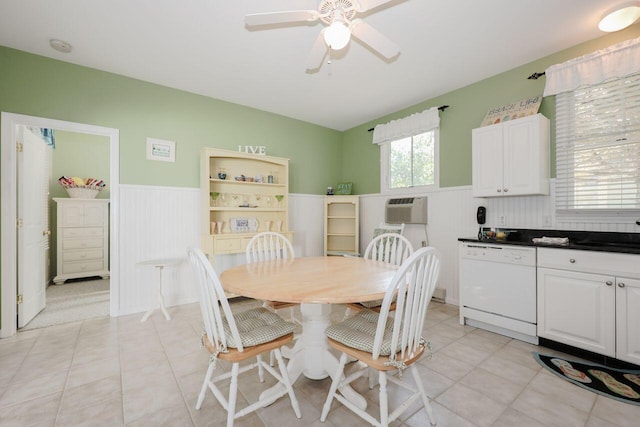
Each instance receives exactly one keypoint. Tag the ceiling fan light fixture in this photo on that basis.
(337, 35)
(620, 17)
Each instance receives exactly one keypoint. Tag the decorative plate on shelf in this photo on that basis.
(243, 225)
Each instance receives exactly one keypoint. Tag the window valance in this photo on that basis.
(616, 61)
(412, 125)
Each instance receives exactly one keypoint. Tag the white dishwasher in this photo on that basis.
(498, 289)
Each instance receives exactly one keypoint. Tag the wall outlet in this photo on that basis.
(502, 220)
(546, 221)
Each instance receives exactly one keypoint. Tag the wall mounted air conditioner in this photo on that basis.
(407, 210)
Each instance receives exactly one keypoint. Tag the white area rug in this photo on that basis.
(73, 301)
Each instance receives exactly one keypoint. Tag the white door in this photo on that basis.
(33, 232)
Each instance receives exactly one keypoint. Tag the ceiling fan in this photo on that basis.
(339, 16)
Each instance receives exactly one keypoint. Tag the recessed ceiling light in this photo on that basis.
(620, 17)
(60, 46)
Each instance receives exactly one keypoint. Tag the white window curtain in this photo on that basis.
(616, 61)
(409, 126)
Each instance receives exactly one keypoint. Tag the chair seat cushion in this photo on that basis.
(371, 304)
(359, 332)
(257, 326)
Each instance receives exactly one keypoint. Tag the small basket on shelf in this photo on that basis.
(79, 188)
(82, 192)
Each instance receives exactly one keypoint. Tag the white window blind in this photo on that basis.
(598, 147)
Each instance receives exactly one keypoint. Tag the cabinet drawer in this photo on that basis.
(81, 267)
(91, 254)
(82, 243)
(82, 232)
(228, 245)
(615, 264)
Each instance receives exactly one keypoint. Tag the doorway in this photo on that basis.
(10, 124)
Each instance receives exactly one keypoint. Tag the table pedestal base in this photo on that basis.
(311, 356)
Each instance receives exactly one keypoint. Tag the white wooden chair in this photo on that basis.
(388, 343)
(392, 248)
(267, 246)
(388, 228)
(236, 338)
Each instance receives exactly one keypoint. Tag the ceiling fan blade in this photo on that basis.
(374, 39)
(364, 5)
(318, 52)
(281, 17)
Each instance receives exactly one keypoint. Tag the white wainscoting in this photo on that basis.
(531, 211)
(451, 216)
(159, 222)
(162, 222)
(156, 222)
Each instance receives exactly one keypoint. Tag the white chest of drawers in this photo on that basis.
(82, 238)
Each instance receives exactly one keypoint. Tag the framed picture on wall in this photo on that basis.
(160, 149)
(344, 188)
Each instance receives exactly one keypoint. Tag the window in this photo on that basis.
(411, 161)
(598, 147)
(409, 152)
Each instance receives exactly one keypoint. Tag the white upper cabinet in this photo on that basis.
(511, 158)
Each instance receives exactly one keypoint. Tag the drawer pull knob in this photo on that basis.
(621, 285)
(572, 261)
(609, 283)
(505, 190)
(499, 190)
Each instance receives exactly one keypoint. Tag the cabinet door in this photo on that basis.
(521, 157)
(487, 160)
(577, 309)
(628, 320)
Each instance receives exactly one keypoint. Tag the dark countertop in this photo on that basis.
(582, 240)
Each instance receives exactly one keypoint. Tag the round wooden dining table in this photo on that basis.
(315, 283)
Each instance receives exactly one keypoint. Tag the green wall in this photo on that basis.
(81, 155)
(468, 106)
(38, 86)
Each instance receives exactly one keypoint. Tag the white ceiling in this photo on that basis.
(202, 46)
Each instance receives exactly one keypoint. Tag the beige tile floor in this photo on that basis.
(119, 371)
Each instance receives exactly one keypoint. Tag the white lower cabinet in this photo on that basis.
(585, 300)
(577, 309)
(628, 320)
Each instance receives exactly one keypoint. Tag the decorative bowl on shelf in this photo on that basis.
(249, 179)
(240, 178)
(222, 175)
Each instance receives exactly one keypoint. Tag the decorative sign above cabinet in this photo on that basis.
(515, 110)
